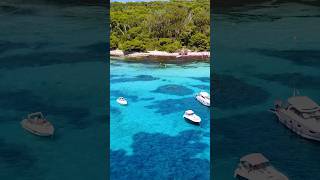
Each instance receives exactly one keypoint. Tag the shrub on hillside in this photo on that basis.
(133, 46)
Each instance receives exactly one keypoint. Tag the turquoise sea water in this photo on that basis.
(43, 67)
(149, 139)
(261, 53)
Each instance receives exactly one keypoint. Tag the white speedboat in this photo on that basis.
(257, 167)
(191, 117)
(301, 115)
(203, 98)
(38, 125)
(122, 101)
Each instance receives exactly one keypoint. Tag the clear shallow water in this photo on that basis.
(44, 68)
(149, 138)
(261, 55)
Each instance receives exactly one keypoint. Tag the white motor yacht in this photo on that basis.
(122, 101)
(38, 125)
(191, 117)
(203, 98)
(257, 167)
(301, 115)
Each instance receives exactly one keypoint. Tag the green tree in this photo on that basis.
(160, 25)
(200, 42)
(133, 46)
(172, 47)
(114, 42)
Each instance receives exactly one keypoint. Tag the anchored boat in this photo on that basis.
(257, 167)
(191, 117)
(203, 98)
(38, 125)
(300, 114)
(122, 101)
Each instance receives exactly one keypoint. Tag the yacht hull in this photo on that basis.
(273, 175)
(124, 103)
(295, 126)
(203, 101)
(192, 122)
(34, 131)
(38, 133)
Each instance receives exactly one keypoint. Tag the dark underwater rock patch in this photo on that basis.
(114, 110)
(102, 118)
(15, 10)
(134, 79)
(46, 58)
(169, 106)
(98, 48)
(299, 57)
(114, 113)
(147, 99)
(202, 79)
(162, 156)
(25, 101)
(114, 76)
(293, 80)
(18, 158)
(245, 17)
(202, 87)
(230, 92)
(116, 93)
(9, 46)
(206, 134)
(173, 89)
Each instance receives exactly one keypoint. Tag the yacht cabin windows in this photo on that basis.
(261, 166)
(295, 111)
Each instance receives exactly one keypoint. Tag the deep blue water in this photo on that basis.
(43, 67)
(149, 139)
(261, 54)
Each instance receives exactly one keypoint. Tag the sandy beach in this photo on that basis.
(157, 55)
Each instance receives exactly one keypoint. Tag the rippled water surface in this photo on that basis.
(45, 68)
(263, 53)
(149, 137)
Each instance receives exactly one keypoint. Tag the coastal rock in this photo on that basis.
(116, 53)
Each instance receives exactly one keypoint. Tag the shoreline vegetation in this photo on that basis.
(160, 30)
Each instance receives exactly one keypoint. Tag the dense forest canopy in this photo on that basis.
(160, 25)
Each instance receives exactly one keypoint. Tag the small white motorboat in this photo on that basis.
(191, 117)
(203, 98)
(122, 101)
(38, 125)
